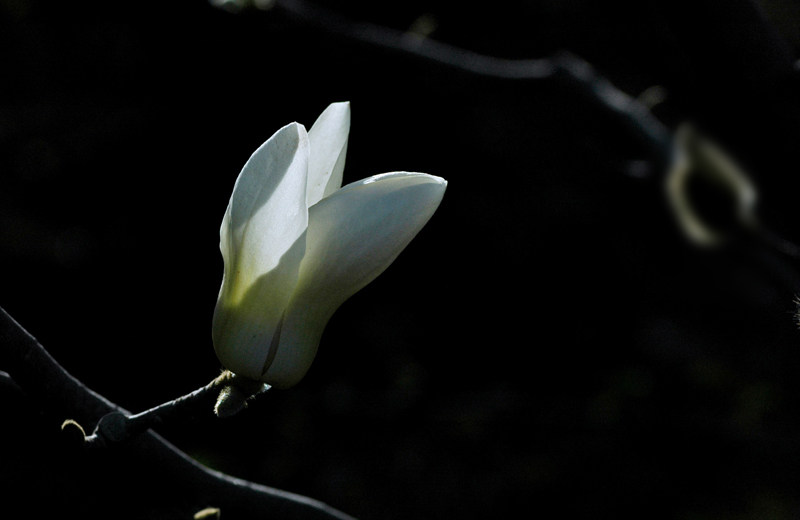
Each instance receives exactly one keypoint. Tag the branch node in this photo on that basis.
(113, 427)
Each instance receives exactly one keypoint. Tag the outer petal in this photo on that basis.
(262, 239)
(353, 236)
(328, 139)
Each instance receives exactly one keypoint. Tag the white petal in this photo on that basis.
(262, 239)
(328, 139)
(353, 236)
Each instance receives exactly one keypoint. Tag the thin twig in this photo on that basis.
(119, 427)
(227, 389)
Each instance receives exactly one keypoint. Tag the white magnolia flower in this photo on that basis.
(296, 245)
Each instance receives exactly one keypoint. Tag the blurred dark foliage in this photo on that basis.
(549, 342)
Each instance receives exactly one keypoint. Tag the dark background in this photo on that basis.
(549, 343)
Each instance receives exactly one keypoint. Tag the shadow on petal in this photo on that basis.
(264, 172)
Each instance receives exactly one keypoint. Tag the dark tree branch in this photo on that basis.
(39, 375)
(43, 379)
